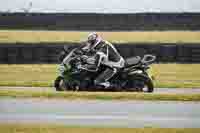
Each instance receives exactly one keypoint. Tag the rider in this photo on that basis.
(107, 55)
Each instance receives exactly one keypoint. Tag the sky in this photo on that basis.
(100, 6)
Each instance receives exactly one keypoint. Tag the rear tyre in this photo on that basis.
(141, 83)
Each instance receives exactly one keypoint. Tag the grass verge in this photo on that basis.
(176, 75)
(98, 95)
(36, 128)
(166, 75)
(13, 36)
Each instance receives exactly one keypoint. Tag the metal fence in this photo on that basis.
(48, 53)
(92, 21)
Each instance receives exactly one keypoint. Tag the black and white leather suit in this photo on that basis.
(108, 55)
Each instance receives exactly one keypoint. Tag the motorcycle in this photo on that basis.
(132, 77)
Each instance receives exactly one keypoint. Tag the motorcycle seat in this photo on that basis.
(133, 60)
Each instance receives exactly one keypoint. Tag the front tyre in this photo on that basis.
(59, 84)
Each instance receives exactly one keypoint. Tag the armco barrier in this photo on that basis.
(168, 53)
(48, 53)
(13, 55)
(26, 55)
(93, 21)
(3, 55)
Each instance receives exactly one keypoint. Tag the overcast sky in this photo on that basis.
(101, 6)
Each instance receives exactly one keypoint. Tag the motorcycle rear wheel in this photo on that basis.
(140, 83)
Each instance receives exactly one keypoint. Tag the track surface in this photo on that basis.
(157, 90)
(102, 113)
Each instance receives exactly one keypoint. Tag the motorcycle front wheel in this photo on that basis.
(60, 84)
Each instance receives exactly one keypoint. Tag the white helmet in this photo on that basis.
(92, 37)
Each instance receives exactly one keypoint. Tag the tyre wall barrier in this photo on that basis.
(49, 53)
(92, 21)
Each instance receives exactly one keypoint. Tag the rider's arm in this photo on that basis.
(94, 63)
(82, 48)
(99, 57)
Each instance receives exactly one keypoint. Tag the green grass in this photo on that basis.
(41, 128)
(166, 75)
(176, 75)
(10, 36)
(27, 75)
(98, 95)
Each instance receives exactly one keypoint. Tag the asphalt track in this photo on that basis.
(156, 90)
(166, 114)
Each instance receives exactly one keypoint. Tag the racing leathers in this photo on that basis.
(106, 54)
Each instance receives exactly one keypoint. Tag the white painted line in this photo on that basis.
(95, 117)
